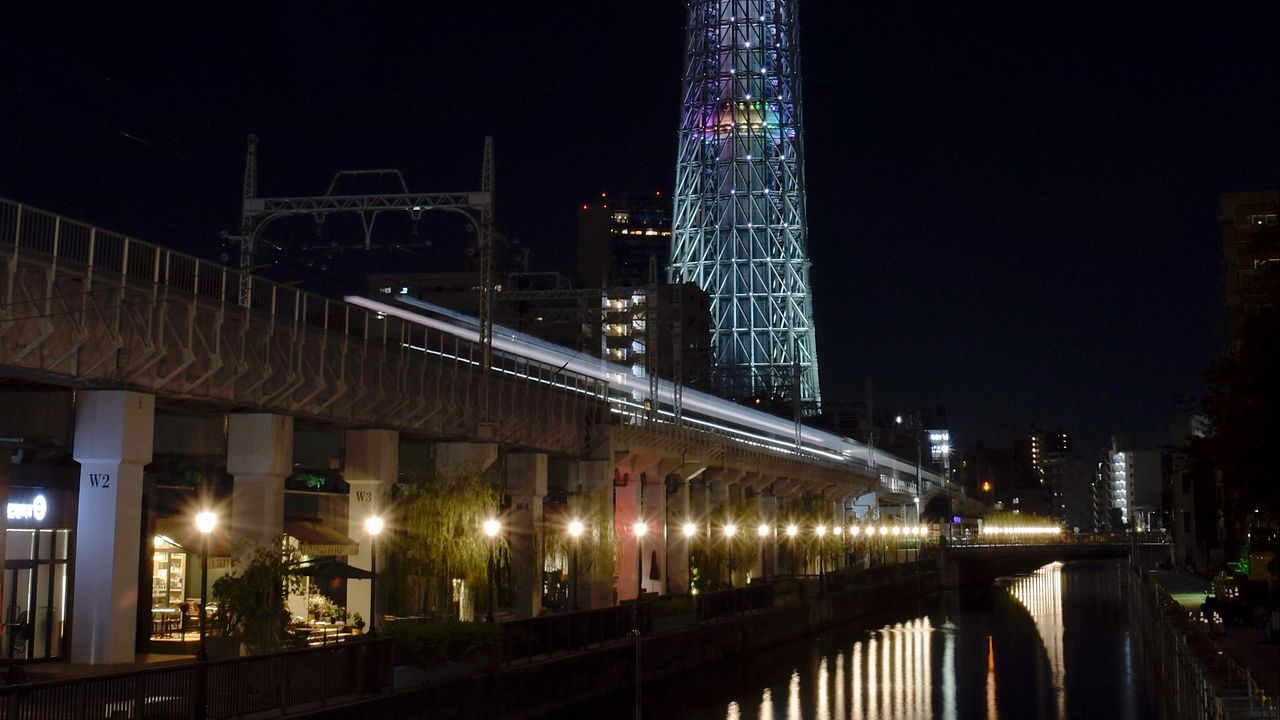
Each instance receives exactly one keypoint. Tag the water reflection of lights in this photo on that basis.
(824, 692)
(886, 675)
(1041, 594)
(793, 697)
(992, 711)
(890, 673)
(840, 706)
(889, 676)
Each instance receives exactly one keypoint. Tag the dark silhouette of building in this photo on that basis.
(1250, 254)
(621, 237)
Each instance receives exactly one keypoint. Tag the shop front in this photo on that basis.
(176, 550)
(38, 551)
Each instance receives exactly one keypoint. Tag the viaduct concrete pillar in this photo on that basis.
(678, 513)
(113, 439)
(371, 468)
(717, 513)
(653, 508)
(259, 457)
(596, 568)
(767, 509)
(527, 485)
(628, 510)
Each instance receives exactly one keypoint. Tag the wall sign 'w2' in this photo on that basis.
(100, 480)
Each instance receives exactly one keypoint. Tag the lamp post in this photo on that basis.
(839, 556)
(690, 530)
(852, 534)
(640, 529)
(575, 531)
(729, 531)
(763, 532)
(491, 528)
(205, 523)
(821, 530)
(791, 540)
(373, 526)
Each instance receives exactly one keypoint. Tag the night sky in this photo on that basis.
(1013, 209)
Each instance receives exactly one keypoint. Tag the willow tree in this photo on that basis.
(593, 507)
(440, 539)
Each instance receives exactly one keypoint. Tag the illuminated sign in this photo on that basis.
(34, 510)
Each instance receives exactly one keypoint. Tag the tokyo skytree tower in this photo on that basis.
(739, 227)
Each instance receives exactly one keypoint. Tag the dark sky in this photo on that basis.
(1013, 209)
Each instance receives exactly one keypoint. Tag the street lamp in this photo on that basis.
(373, 526)
(729, 531)
(690, 530)
(821, 530)
(491, 528)
(763, 532)
(791, 535)
(205, 523)
(575, 531)
(640, 529)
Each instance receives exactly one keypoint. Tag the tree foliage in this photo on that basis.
(438, 533)
(253, 602)
(1243, 408)
(593, 507)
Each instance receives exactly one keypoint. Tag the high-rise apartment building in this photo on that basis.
(1042, 456)
(739, 229)
(1250, 253)
(620, 237)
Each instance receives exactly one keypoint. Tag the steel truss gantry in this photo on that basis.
(477, 207)
(739, 228)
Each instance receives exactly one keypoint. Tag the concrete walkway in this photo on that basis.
(1245, 645)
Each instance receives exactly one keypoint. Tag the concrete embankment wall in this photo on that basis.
(527, 691)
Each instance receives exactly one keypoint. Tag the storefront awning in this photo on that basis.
(182, 530)
(316, 538)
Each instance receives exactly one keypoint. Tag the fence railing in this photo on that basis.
(532, 638)
(726, 603)
(263, 686)
(1197, 680)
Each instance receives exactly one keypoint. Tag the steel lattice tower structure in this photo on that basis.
(739, 228)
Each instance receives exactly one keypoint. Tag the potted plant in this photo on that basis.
(357, 624)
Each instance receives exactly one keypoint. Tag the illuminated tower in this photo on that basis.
(739, 227)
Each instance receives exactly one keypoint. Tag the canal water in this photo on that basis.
(1053, 644)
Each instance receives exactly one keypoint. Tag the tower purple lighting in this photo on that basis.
(739, 228)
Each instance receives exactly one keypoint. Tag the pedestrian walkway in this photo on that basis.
(1245, 645)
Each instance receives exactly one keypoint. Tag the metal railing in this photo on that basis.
(264, 686)
(540, 637)
(129, 263)
(1198, 681)
(727, 603)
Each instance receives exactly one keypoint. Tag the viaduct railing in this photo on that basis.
(92, 308)
(260, 686)
(87, 307)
